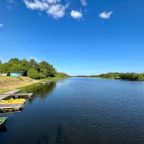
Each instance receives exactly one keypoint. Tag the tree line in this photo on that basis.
(30, 68)
(124, 76)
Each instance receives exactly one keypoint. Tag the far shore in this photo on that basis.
(131, 76)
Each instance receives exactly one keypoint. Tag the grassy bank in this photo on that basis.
(10, 83)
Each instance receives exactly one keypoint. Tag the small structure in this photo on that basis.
(16, 74)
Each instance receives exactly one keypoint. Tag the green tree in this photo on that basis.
(25, 66)
(32, 73)
(47, 69)
(41, 75)
(140, 77)
(1, 67)
(33, 64)
(30, 68)
(62, 75)
(14, 65)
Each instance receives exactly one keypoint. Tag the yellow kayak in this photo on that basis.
(13, 101)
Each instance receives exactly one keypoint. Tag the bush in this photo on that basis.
(141, 77)
(41, 75)
(62, 75)
(32, 73)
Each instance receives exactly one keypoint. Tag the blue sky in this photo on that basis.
(76, 36)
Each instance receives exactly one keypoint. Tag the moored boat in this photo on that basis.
(2, 121)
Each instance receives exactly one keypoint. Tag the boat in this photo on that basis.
(2, 121)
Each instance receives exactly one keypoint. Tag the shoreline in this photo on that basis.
(108, 78)
(25, 82)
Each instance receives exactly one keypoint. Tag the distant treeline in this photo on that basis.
(30, 68)
(123, 76)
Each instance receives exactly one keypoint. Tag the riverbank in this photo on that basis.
(10, 83)
(121, 76)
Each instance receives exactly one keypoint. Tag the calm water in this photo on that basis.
(80, 111)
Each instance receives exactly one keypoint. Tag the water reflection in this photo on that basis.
(41, 90)
(43, 140)
(40, 87)
(60, 135)
(45, 89)
(80, 111)
(3, 129)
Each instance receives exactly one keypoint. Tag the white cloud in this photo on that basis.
(1, 25)
(105, 15)
(76, 14)
(57, 11)
(53, 8)
(84, 2)
(52, 1)
(36, 5)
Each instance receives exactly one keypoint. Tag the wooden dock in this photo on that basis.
(11, 107)
(15, 93)
(14, 106)
(18, 95)
(5, 95)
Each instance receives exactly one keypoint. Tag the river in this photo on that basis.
(80, 111)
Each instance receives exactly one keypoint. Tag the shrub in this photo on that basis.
(32, 73)
(41, 75)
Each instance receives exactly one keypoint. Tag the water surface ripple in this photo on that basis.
(80, 111)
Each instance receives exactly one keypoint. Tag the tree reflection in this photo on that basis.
(41, 90)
